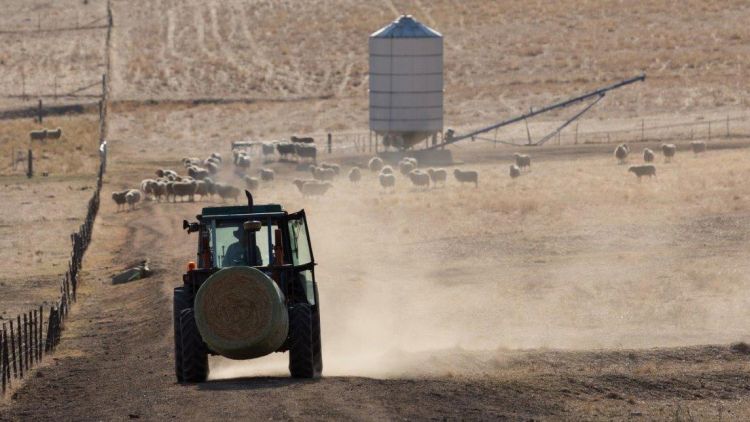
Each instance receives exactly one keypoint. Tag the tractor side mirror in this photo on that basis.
(190, 227)
(252, 225)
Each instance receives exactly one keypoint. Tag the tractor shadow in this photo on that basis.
(252, 383)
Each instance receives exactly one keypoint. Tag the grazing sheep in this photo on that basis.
(522, 161)
(306, 151)
(375, 164)
(119, 198)
(322, 174)
(204, 187)
(419, 178)
(669, 151)
(212, 167)
(355, 175)
(159, 190)
(335, 167)
(226, 191)
(643, 170)
(216, 156)
(285, 149)
(54, 134)
(515, 171)
(386, 170)
(468, 176)
(438, 175)
(38, 135)
(166, 173)
(133, 197)
(251, 183)
(306, 140)
(266, 175)
(621, 153)
(243, 161)
(147, 186)
(698, 147)
(648, 155)
(191, 161)
(267, 148)
(184, 188)
(406, 166)
(387, 180)
(197, 173)
(312, 187)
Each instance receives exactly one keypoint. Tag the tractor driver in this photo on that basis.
(235, 254)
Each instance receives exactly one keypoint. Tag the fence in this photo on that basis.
(25, 341)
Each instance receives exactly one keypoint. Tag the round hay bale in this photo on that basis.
(240, 313)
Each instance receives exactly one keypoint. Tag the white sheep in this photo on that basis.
(406, 166)
(133, 197)
(669, 151)
(468, 176)
(266, 175)
(184, 188)
(621, 153)
(251, 183)
(387, 180)
(355, 175)
(204, 187)
(119, 198)
(226, 191)
(515, 171)
(438, 176)
(648, 155)
(375, 164)
(312, 187)
(335, 167)
(323, 174)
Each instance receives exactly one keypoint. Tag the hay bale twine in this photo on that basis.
(240, 313)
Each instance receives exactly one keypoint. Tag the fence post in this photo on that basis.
(643, 130)
(30, 169)
(576, 138)
(13, 349)
(20, 347)
(2, 356)
(330, 142)
(4, 359)
(33, 336)
(26, 338)
(41, 331)
(39, 113)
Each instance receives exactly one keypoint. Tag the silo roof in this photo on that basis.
(406, 27)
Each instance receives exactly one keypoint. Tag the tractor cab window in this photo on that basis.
(299, 242)
(230, 245)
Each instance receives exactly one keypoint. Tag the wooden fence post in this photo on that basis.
(39, 113)
(41, 331)
(330, 143)
(30, 167)
(13, 349)
(26, 342)
(4, 359)
(576, 137)
(35, 357)
(20, 342)
(2, 356)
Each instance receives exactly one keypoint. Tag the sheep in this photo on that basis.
(336, 168)
(355, 175)
(285, 148)
(406, 166)
(54, 134)
(184, 188)
(243, 161)
(648, 155)
(159, 190)
(322, 174)
(190, 161)
(312, 187)
(387, 180)
(266, 175)
(132, 198)
(669, 151)
(251, 183)
(467, 176)
(306, 151)
(38, 135)
(212, 167)
(166, 173)
(119, 198)
(643, 170)
(204, 187)
(522, 161)
(227, 191)
(267, 148)
(438, 175)
(307, 140)
(621, 153)
(515, 171)
(216, 156)
(419, 178)
(698, 147)
(375, 164)
(148, 187)
(386, 170)
(197, 173)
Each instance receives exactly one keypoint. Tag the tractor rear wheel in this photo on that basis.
(194, 351)
(301, 344)
(317, 348)
(179, 303)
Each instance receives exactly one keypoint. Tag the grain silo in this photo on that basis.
(406, 82)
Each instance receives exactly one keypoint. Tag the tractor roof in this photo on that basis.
(241, 210)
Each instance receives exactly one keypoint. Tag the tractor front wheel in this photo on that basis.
(301, 342)
(194, 350)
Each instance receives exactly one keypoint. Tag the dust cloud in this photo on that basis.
(444, 282)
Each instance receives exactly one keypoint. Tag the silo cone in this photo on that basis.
(240, 313)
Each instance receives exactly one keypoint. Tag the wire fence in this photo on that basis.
(25, 340)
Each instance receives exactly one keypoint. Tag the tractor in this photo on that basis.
(251, 291)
